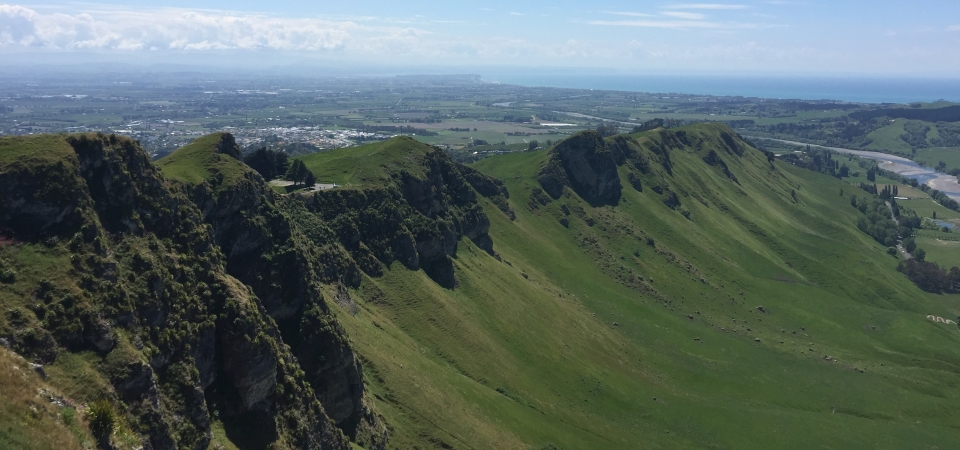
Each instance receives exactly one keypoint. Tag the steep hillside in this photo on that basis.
(721, 301)
(286, 269)
(403, 201)
(667, 289)
(116, 285)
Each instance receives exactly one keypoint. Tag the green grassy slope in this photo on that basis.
(199, 161)
(368, 165)
(887, 139)
(33, 415)
(636, 327)
(942, 248)
(932, 156)
(34, 149)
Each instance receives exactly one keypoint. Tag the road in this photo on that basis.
(316, 187)
(584, 116)
(903, 251)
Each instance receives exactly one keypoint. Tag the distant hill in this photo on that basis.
(946, 114)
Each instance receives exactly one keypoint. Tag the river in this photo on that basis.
(942, 182)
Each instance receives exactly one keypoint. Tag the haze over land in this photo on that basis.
(479, 225)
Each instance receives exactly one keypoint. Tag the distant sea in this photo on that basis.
(864, 90)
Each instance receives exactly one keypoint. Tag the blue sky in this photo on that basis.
(807, 37)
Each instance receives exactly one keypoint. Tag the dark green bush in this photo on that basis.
(102, 418)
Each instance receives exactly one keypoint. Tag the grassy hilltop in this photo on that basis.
(667, 289)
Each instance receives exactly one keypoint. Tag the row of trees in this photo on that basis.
(272, 164)
(876, 220)
(268, 163)
(299, 174)
(653, 124)
(930, 276)
(888, 192)
(817, 160)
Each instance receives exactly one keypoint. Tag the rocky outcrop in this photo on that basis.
(208, 298)
(418, 219)
(179, 338)
(284, 261)
(585, 163)
(228, 146)
(44, 201)
(713, 159)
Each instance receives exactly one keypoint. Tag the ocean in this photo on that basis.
(849, 89)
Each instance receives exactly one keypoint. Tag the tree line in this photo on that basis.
(876, 223)
(272, 164)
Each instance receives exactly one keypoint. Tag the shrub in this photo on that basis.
(103, 419)
(8, 276)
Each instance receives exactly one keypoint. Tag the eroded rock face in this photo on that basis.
(248, 361)
(285, 266)
(179, 336)
(331, 367)
(584, 163)
(228, 146)
(417, 220)
(137, 386)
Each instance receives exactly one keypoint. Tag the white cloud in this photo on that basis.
(685, 15)
(222, 37)
(678, 24)
(516, 14)
(631, 14)
(712, 6)
(166, 29)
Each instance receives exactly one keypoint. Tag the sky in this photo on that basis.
(920, 38)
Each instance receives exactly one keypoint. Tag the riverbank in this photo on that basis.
(942, 182)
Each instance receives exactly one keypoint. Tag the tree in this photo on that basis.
(871, 175)
(269, 164)
(648, 125)
(770, 156)
(844, 171)
(607, 130)
(909, 244)
(533, 145)
(311, 179)
(920, 254)
(298, 172)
